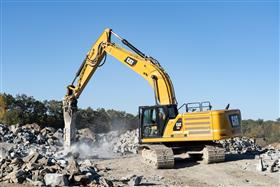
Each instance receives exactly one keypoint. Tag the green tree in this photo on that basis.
(54, 113)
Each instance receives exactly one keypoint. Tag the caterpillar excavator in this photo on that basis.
(163, 131)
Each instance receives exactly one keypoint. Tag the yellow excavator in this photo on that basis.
(163, 131)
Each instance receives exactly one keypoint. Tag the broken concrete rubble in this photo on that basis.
(127, 142)
(240, 145)
(72, 168)
(269, 161)
(38, 156)
(132, 180)
(54, 179)
(135, 181)
(266, 157)
(260, 165)
(32, 159)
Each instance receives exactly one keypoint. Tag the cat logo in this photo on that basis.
(178, 125)
(130, 61)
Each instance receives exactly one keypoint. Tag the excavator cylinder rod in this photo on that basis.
(125, 42)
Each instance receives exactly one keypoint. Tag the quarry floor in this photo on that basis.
(238, 170)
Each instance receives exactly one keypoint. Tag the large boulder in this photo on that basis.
(54, 179)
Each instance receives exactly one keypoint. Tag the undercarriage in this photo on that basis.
(161, 156)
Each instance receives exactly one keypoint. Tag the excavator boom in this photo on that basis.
(146, 66)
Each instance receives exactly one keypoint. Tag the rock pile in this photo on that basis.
(86, 136)
(46, 141)
(269, 161)
(127, 142)
(113, 141)
(240, 145)
(27, 155)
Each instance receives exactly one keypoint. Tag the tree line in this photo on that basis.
(268, 130)
(23, 109)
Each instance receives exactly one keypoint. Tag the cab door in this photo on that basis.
(152, 121)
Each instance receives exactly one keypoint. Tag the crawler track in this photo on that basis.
(158, 156)
(213, 154)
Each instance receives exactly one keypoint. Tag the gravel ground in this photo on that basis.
(238, 170)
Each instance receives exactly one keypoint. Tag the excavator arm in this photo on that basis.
(146, 66)
(88, 67)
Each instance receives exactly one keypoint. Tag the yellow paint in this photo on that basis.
(215, 121)
(145, 67)
(196, 126)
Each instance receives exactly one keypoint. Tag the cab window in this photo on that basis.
(150, 125)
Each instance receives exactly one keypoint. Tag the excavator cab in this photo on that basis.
(153, 119)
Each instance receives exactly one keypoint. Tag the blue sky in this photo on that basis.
(221, 51)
